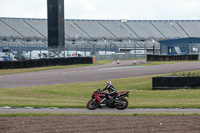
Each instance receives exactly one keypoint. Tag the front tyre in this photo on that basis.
(92, 104)
(123, 103)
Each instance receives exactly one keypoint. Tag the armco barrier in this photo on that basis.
(175, 82)
(45, 62)
(172, 57)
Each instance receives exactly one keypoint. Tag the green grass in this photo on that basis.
(78, 94)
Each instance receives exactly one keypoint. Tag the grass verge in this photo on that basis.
(78, 94)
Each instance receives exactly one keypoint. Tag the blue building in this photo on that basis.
(182, 46)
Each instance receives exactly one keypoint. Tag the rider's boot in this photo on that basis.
(103, 100)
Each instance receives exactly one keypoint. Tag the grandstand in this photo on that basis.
(137, 33)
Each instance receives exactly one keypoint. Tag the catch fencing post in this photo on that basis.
(48, 52)
(76, 51)
(85, 49)
(64, 52)
(40, 53)
(67, 51)
(125, 51)
(9, 50)
(105, 49)
(19, 52)
(135, 50)
(30, 52)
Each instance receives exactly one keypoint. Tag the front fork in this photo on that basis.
(97, 98)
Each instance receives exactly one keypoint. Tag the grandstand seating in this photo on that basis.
(93, 29)
(6, 31)
(167, 30)
(116, 29)
(130, 32)
(40, 26)
(190, 29)
(138, 30)
(151, 30)
(21, 27)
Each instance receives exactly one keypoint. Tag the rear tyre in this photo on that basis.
(93, 104)
(123, 103)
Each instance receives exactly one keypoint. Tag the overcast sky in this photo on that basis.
(106, 9)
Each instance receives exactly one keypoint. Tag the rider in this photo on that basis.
(111, 90)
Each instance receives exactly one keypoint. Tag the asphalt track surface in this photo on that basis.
(91, 73)
(100, 111)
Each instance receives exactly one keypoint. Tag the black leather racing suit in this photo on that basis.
(111, 90)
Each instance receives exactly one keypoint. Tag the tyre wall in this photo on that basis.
(172, 57)
(45, 62)
(175, 82)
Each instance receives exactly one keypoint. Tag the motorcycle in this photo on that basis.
(117, 101)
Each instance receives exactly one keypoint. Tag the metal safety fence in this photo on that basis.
(101, 52)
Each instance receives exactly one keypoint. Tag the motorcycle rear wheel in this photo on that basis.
(92, 104)
(122, 104)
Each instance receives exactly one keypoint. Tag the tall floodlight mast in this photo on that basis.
(56, 30)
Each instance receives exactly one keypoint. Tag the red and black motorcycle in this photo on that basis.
(117, 101)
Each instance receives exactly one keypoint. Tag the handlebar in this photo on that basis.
(99, 91)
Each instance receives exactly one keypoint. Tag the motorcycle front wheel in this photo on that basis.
(123, 103)
(92, 104)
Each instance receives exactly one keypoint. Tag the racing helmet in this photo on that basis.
(107, 83)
